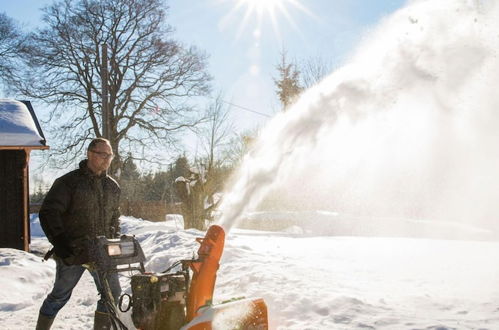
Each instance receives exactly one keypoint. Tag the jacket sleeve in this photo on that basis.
(55, 204)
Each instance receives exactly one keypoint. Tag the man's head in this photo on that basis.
(99, 154)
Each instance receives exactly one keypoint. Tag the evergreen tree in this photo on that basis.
(181, 167)
(130, 171)
(130, 181)
(288, 82)
(38, 196)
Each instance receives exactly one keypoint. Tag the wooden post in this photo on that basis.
(26, 223)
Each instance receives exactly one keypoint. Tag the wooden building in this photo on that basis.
(20, 133)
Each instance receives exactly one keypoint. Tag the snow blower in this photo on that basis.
(179, 299)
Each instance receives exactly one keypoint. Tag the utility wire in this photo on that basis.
(246, 109)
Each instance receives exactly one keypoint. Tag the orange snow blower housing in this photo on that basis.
(201, 315)
(204, 270)
(172, 301)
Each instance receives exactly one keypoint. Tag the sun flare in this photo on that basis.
(258, 12)
(260, 6)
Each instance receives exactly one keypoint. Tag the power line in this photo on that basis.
(246, 109)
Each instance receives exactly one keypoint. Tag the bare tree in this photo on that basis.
(288, 81)
(149, 78)
(239, 146)
(208, 179)
(12, 42)
(313, 70)
(216, 131)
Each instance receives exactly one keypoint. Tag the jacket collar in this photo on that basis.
(84, 168)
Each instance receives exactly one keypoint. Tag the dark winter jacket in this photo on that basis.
(79, 207)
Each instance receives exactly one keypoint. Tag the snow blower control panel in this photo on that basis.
(113, 254)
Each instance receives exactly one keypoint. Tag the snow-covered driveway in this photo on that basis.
(308, 282)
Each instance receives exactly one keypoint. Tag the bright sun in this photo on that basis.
(263, 5)
(262, 10)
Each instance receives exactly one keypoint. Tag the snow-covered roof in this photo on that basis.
(18, 125)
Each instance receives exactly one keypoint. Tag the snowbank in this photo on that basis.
(24, 279)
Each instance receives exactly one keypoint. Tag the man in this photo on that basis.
(80, 206)
(191, 192)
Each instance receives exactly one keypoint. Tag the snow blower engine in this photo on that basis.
(180, 299)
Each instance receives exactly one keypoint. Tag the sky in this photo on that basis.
(244, 39)
(243, 52)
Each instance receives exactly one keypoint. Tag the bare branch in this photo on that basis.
(149, 78)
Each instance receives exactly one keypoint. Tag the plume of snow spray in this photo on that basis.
(408, 127)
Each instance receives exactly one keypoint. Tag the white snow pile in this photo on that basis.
(322, 282)
(24, 279)
(17, 127)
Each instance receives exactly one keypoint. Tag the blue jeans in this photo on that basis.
(66, 278)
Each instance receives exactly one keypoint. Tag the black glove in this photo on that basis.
(61, 246)
(81, 251)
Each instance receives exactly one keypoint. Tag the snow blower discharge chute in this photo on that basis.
(173, 300)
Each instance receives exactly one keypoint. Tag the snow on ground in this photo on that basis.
(308, 282)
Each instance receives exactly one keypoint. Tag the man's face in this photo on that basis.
(100, 157)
